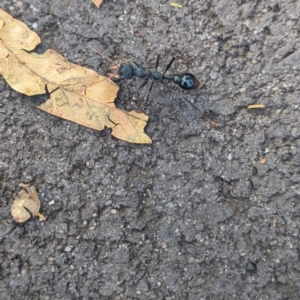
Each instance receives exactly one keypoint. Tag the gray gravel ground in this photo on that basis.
(195, 215)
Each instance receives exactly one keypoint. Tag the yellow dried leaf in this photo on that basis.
(97, 2)
(26, 200)
(18, 75)
(15, 34)
(81, 95)
(77, 94)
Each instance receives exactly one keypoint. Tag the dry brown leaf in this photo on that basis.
(26, 200)
(97, 2)
(15, 34)
(77, 94)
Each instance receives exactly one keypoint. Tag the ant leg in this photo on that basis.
(139, 100)
(143, 84)
(188, 101)
(205, 117)
(170, 89)
(157, 62)
(149, 92)
(147, 98)
(169, 65)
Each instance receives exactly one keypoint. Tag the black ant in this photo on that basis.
(186, 81)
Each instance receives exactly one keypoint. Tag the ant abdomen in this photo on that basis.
(186, 81)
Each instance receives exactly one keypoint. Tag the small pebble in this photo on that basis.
(294, 16)
(159, 209)
(213, 75)
(68, 249)
(281, 279)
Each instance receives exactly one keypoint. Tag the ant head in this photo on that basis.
(186, 81)
(126, 71)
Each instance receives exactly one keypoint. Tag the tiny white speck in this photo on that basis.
(68, 249)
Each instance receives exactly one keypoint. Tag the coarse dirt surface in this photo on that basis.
(202, 213)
